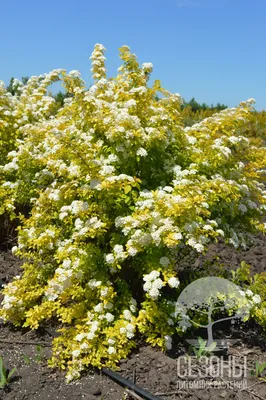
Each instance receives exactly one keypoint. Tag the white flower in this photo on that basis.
(113, 157)
(151, 276)
(147, 67)
(132, 251)
(62, 215)
(80, 336)
(78, 223)
(154, 293)
(133, 308)
(75, 353)
(90, 335)
(109, 258)
(142, 152)
(173, 282)
(84, 346)
(157, 284)
(107, 170)
(95, 184)
(207, 228)
(54, 195)
(130, 103)
(251, 204)
(104, 292)
(127, 314)
(177, 236)
(72, 375)
(74, 170)
(147, 286)
(74, 73)
(191, 139)
(118, 249)
(242, 208)
(111, 341)
(67, 263)
(170, 321)
(109, 317)
(111, 350)
(140, 90)
(130, 327)
(164, 261)
(14, 249)
(123, 330)
(256, 299)
(94, 284)
(199, 247)
(108, 306)
(99, 307)
(249, 293)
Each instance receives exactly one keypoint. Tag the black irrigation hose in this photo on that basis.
(128, 384)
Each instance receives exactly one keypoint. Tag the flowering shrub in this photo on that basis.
(30, 106)
(118, 187)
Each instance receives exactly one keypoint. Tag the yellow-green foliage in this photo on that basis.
(190, 117)
(255, 285)
(117, 187)
(255, 128)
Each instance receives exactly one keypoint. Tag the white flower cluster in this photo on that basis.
(142, 152)
(147, 67)
(118, 255)
(11, 299)
(98, 62)
(82, 228)
(128, 330)
(199, 247)
(255, 298)
(173, 282)
(153, 284)
(62, 279)
(180, 174)
(184, 323)
(76, 207)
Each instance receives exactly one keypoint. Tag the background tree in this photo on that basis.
(13, 88)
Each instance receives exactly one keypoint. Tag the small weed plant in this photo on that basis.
(259, 369)
(202, 349)
(5, 375)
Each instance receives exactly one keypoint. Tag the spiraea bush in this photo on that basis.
(118, 187)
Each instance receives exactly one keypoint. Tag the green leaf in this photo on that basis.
(127, 189)
(13, 370)
(261, 367)
(211, 347)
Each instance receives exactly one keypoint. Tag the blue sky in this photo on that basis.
(213, 50)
